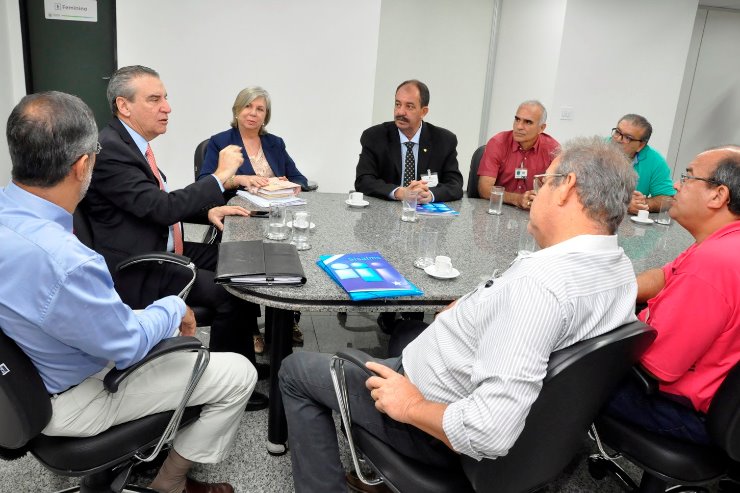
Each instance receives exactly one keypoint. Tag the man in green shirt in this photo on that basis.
(654, 176)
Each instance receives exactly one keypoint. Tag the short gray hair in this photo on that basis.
(47, 132)
(605, 178)
(534, 102)
(641, 122)
(120, 83)
(244, 98)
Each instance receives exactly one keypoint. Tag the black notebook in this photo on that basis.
(255, 263)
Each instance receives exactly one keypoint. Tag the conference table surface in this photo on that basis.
(478, 243)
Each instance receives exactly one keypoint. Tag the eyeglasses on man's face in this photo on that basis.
(539, 180)
(622, 137)
(685, 177)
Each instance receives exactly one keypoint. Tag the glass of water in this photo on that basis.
(496, 201)
(301, 225)
(408, 210)
(277, 228)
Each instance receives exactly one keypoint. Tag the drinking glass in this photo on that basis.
(277, 229)
(301, 230)
(427, 249)
(496, 201)
(664, 216)
(408, 208)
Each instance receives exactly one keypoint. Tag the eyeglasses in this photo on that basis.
(539, 180)
(617, 134)
(685, 177)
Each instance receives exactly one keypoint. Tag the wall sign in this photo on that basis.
(72, 10)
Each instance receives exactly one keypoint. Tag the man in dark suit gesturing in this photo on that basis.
(397, 155)
(132, 210)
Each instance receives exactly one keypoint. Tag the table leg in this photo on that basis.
(281, 325)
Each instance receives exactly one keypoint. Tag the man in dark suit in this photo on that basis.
(397, 155)
(132, 210)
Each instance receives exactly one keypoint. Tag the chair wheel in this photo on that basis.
(596, 469)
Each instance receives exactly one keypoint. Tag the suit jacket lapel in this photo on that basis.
(394, 149)
(425, 147)
(143, 163)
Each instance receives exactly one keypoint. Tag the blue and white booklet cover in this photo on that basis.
(436, 209)
(366, 276)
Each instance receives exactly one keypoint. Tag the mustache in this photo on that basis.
(402, 119)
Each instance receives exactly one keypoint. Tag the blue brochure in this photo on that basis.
(366, 276)
(436, 209)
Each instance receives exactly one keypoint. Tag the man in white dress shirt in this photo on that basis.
(466, 384)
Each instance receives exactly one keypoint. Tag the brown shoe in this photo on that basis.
(259, 344)
(356, 486)
(193, 486)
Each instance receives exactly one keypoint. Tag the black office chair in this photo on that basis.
(105, 460)
(666, 460)
(473, 174)
(182, 273)
(579, 379)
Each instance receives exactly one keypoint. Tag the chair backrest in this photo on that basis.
(579, 380)
(473, 174)
(200, 155)
(723, 418)
(81, 226)
(25, 406)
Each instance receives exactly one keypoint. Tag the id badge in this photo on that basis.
(520, 173)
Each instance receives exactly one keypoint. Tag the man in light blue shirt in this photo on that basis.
(57, 302)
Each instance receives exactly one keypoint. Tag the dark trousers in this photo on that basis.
(656, 413)
(235, 320)
(309, 399)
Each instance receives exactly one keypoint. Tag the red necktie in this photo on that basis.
(176, 228)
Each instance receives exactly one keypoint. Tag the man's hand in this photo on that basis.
(229, 160)
(187, 324)
(217, 214)
(638, 203)
(393, 393)
(521, 200)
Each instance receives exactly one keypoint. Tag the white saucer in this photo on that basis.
(290, 224)
(641, 220)
(363, 203)
(432, 271)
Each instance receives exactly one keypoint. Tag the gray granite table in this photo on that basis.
(477, 243)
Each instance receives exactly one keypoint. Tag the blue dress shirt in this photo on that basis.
(415, 150)
(57, 299)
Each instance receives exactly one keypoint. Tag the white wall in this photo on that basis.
(446, 47)
(625, 58)
(316, 59)
(529, 39)
(12, 79)
(600, 58)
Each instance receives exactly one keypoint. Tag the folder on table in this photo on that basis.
(256, 263)
(366, 276)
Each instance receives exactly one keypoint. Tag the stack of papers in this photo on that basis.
(265, 203)
(436, 209)
(278, 189)
(366, 276)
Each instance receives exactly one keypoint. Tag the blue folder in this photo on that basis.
(366, 276)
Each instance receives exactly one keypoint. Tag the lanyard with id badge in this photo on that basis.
(520, 173)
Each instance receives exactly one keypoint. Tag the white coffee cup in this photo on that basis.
(643, 214)
(443, 265)
(355, 197)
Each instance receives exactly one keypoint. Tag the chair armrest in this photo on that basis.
(154, 257)
(645, 380)
(115, 376)
(357, 357)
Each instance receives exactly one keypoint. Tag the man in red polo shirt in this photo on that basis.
(694, 304)
(513, 157)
